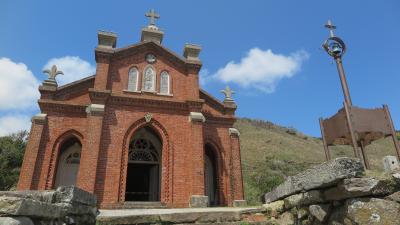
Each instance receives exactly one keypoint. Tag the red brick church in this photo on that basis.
(139, 130)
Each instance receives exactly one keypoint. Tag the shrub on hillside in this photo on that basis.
(12, 150)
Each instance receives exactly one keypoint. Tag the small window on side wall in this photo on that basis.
(164, 83)
(133, 79)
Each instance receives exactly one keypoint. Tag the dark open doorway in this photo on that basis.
(211, 175)
(143, 173)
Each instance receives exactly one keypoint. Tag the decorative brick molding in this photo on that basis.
(196, 117)
(95, 109)
(234, 132)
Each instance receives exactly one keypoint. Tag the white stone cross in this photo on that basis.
(153, 16)
(330, 27)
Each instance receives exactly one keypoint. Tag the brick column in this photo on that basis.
(90, 152)
(31, 152)
(197, 155)
(236, 168)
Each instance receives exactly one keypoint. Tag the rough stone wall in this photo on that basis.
(65, 206)
(346, 198)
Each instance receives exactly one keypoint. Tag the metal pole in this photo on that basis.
(326, 148)
(364, 154)
(394, 136)
(352, 135)
(343, 81)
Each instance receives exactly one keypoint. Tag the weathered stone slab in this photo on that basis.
(394, 197)
(198, 201)
(371, 211)
(28, 207)
(359, 187)
(324, 175)
(239, 203)
(72, 194)
(273, 209)
(302, 199)
(42, 196)
(320, 212)
(15, 221)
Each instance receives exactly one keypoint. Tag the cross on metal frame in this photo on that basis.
(153, 16)
(330, 27)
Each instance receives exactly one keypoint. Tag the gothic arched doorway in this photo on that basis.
(68, 162)
(144, 166)
(211, 175)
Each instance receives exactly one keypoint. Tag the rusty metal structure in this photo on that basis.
(352, 125)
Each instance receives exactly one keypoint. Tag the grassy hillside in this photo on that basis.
(271, 152)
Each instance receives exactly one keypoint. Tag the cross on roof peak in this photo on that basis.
(330, 27)
(153, 16)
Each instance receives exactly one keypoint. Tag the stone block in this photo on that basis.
(274, 208)
(359, 187)
(17, 206)
(15, 221)
(368, 211)
(320, 212)
(72, 194)
(42, 196)
(196, 117)
(239, 203)
(327, 174)
(198, 201)
(390, 163)
(303, 199)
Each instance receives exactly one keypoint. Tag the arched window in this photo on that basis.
(164, 83)
(68, 162)
(133, 79)
(149, 79)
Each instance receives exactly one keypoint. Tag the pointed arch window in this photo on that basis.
(149, 79)
(133, 76)
(164, 83)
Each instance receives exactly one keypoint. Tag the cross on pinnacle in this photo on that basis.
(330, 27)
(228, 94)
(153, 16)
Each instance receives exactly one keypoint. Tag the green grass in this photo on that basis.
(270, 153)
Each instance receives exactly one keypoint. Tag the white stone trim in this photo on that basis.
(234, 131)
(39, 117)
(95, 108)
(196, 117)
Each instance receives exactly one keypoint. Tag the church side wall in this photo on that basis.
(61, 126)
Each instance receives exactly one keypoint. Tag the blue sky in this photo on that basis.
(304, 87)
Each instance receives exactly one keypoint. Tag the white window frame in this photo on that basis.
(168, 82)
(154, 80)
(137, 79)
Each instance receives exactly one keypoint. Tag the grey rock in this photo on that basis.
(239, 203)
(394, 197)
(15, 221)
(371, 211)
(72, 194)
(286, 218)
(359, 187)
(320, 212)
(42, 196)
(28, 207)
(324, 175)
(390, 163)
(198, 201)
(274, 208)
(302, 199)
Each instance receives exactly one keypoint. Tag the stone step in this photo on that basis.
(143, 205)
(212, 216)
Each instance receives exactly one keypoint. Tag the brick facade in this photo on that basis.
(105, 132)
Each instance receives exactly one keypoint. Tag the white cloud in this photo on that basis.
(18, 86)
(261, 69)
(14, 123)
(74, 68)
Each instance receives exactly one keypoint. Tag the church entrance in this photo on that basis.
(68, 163)
(144, 167)
(210, 178)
